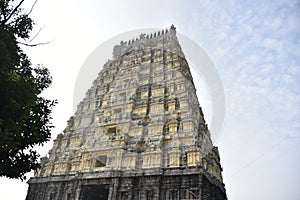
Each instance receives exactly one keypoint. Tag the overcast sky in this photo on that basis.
(255, 47)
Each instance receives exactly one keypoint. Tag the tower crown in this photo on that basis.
(165, 36)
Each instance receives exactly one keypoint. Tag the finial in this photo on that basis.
(173, 27)
(142, 36)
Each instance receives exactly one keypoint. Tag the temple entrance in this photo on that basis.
(94, 192)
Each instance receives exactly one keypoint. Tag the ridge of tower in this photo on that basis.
(165, 36)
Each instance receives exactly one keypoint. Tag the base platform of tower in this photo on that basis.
(162, 184)
(138, 134)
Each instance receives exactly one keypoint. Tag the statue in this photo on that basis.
(173, 27)
(142, 36)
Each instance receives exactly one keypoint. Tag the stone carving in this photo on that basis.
(140, 115)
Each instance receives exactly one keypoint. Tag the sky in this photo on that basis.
(255, 48)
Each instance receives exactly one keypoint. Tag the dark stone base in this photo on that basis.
(161, 185)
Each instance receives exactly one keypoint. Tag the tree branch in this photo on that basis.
(32, 7)
(36, 34)
(33, 45)
(13, 11)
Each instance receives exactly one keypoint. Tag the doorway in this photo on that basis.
(94, 192)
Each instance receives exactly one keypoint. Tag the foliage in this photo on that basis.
(24, 113)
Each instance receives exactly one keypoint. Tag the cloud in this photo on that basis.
(255, 46)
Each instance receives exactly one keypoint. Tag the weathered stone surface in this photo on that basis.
(138, 134)
(179, 183)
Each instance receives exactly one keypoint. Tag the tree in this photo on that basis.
(24, 113)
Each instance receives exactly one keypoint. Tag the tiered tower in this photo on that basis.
(138, 134)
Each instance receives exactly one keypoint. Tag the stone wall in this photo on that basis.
(176, 184)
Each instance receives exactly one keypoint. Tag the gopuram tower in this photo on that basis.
(138, 134)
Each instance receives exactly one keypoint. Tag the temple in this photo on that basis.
(138, 134)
